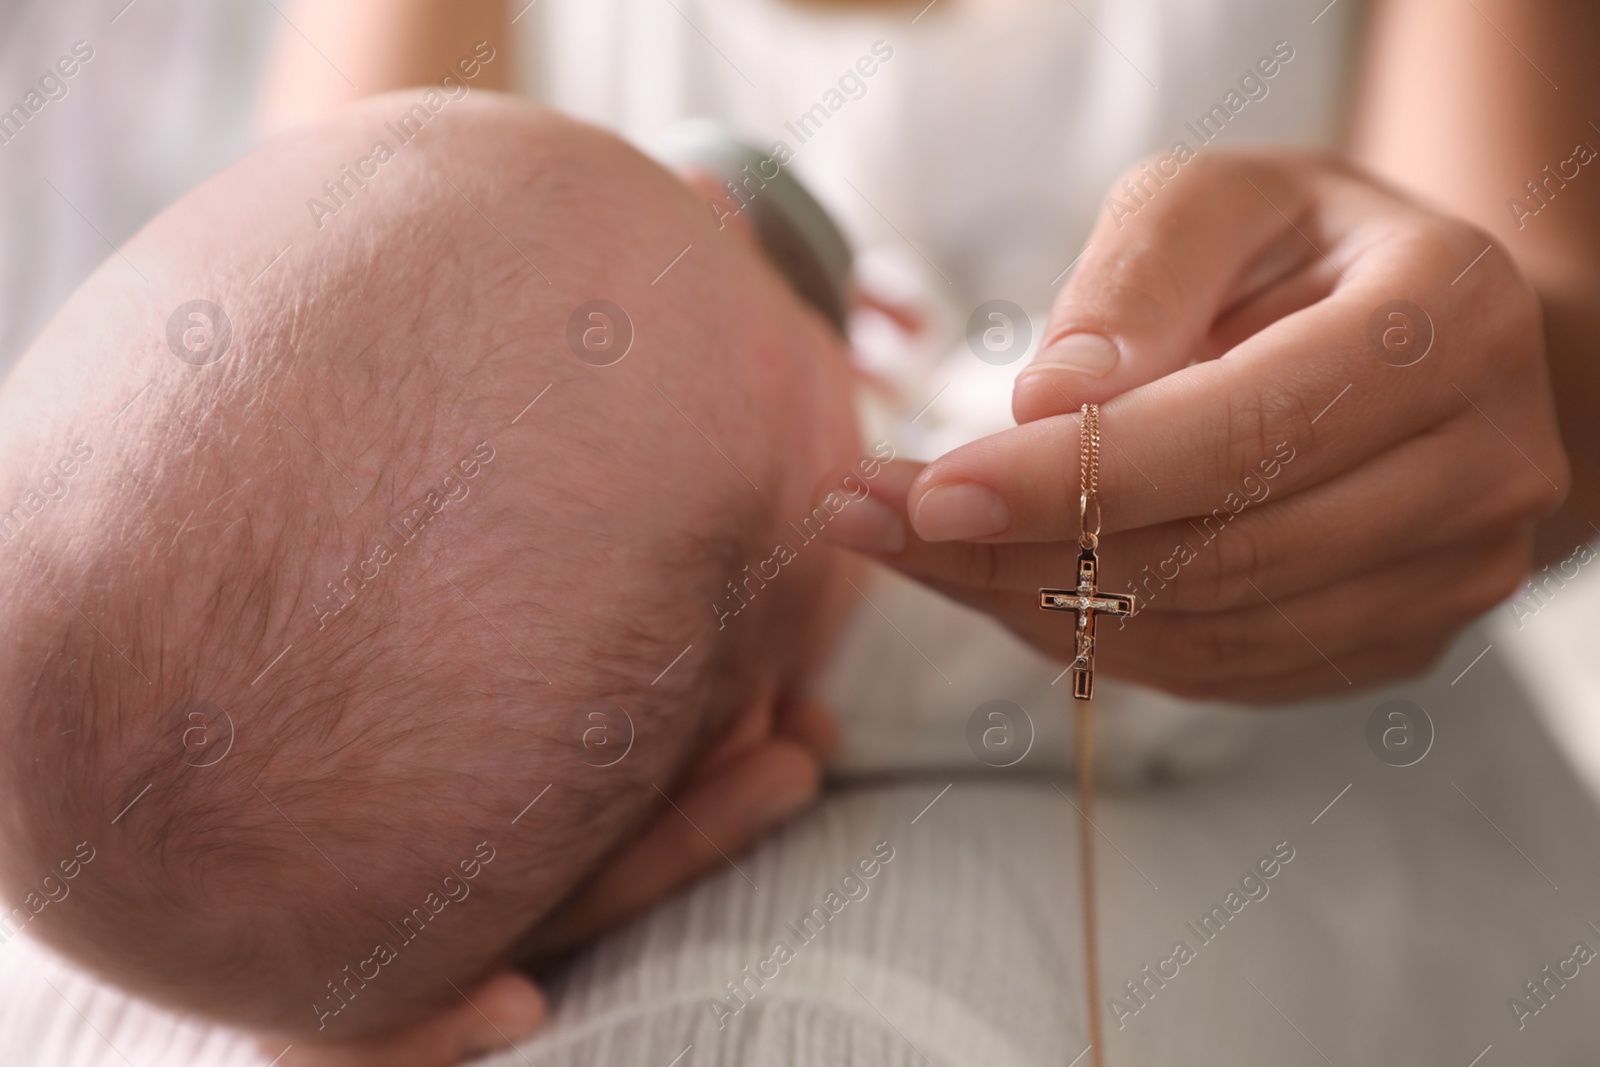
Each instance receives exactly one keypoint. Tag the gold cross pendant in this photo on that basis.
(1086, 602)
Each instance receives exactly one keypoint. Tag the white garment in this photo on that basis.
(164, 101)
(975, 160)
(968, 165)
(987, 142)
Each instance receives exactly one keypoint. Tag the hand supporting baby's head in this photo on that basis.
(309, 627)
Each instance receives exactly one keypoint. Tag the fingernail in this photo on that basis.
(868, 525)
(1087, 354)
(960, 511)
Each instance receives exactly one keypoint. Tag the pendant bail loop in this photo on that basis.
(1089, 535)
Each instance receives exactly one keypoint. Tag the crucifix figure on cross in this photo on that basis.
(1086, 602)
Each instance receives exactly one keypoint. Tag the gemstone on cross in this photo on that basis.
(1086, 602)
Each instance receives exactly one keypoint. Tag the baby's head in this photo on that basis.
(304, 608)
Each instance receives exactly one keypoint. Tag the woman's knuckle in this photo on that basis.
(1142, 286)
(1227, 642)
(1533, 488)
(1216, 577)
(1260, 420)
(1435, 244)
(982, 565)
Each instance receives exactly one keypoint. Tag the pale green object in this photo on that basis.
(795, 231)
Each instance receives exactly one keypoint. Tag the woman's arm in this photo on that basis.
(1464, 103)
(332, 52)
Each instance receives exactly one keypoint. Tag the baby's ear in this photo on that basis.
(717, 815)
(752, 726)
(810, 724)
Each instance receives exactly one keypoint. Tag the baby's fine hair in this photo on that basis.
(313, 623)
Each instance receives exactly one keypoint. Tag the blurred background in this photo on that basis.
(165, 99)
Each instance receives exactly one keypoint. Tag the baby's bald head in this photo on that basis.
(309, 625)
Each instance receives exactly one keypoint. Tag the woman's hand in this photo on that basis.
(766, 768)
(1328, 430)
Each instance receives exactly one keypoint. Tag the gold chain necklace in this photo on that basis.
(1087, 602)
